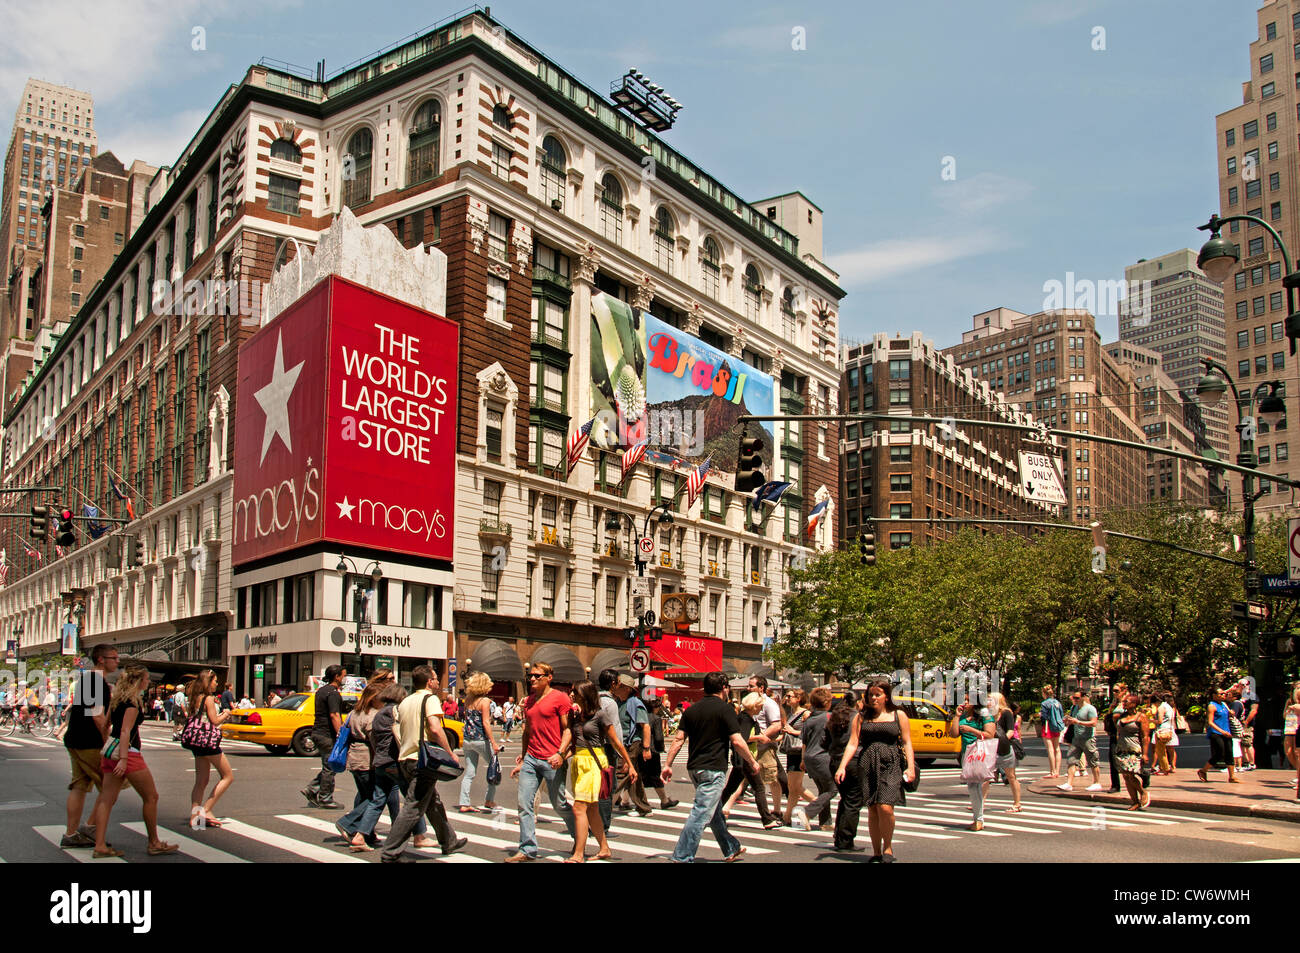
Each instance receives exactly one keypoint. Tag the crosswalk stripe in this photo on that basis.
(637, 820)
(1086, 810)
(82, 855)
(679, 820)
(281, 842)
(189, 846)
(965, 815)
(921, 830)
(623, 846)
(326, 827)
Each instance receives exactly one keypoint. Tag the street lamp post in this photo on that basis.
(1272, 408)
(359, 598)
(613, 520)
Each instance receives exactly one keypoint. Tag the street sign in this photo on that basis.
(258, 669)
(648, 618)
(1244, 611)
(646, 547)
(1040, 478)
(386, 661)
(1110, 640)
(641, 586)
(1293, 535)
(639, 660)
(364, 629)
(1279, 585)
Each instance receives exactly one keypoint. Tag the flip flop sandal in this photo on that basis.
(163, 849)
(360, 848)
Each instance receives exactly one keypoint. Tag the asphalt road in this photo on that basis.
(272, 823)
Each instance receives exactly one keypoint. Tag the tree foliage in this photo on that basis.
(1031, 607)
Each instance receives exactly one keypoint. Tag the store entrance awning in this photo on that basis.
(568, 668)
(609, 658)
(497, 659)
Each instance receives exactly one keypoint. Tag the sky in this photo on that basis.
(1061, 157)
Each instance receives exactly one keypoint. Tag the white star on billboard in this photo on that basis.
(274, 398)
(345, 509)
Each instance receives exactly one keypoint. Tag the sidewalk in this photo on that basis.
(1263, 794)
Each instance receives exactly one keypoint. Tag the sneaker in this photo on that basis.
(330, 805)
(460, 844)
(800, 818)
(78, 839)
(670, 804)
(1095, 787)
(1067, 786)
(312, 798)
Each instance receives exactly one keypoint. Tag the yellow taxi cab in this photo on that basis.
(929, 727)
(286, 726)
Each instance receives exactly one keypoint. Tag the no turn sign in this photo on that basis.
(646, 546)
(640, 661)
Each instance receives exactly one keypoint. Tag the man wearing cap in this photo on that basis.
(635, 722)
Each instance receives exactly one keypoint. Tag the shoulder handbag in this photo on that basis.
(909, 786)
(792, 743)
(606, 776)
(199, 731)
(338, 759)
(434, 762)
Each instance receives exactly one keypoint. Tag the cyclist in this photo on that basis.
(30, 706)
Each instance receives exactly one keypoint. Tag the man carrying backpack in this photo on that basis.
(635, 722)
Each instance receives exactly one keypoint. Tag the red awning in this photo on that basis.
(687, 655)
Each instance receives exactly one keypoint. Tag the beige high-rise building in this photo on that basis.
(1258, 156)
(1174, 309)
(53, 140)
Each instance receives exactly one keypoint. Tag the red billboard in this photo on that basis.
(687, 654)
(345, 427)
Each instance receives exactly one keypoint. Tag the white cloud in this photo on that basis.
(115, 51)
(157, 140)
(892, 257)
(980, 193)
(770, 38)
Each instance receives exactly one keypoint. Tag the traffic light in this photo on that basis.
(654, 634)
(134, 552)
(40, 522)
(65, 537)
(867, 548)
(115, 551)
(749, 465)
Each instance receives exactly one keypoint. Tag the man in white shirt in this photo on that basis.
(770, 720)
(420, 795)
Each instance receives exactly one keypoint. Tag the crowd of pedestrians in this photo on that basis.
(597, 749)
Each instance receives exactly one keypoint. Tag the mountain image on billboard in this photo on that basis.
(651, 381)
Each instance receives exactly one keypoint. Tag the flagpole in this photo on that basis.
(134, 492)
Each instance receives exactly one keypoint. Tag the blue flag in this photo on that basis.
(771, 492)
(96, 530)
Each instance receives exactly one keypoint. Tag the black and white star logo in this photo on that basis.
(274, 398)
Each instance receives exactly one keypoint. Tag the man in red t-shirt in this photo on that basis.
(546, 735)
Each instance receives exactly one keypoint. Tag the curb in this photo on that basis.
(1243, 808)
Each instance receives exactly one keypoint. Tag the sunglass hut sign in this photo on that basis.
(345, 429)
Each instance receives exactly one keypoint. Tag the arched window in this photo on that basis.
(788, 313)
(753, 292)
(554, 163)
(663, 237)
(501, 117)
(611, 208)
(422, 143)
(285, 150)
(710, 266)
(356, 168)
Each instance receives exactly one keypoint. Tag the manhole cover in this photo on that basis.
(20, 805)
(1228, 829)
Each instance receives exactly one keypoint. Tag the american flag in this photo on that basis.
(631, 457)
(695, 480)
(815, 516)
(58, 551)
(577, 444)
(4, 573)
(31, 553)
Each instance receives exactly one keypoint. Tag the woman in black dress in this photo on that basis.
(881, 743)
